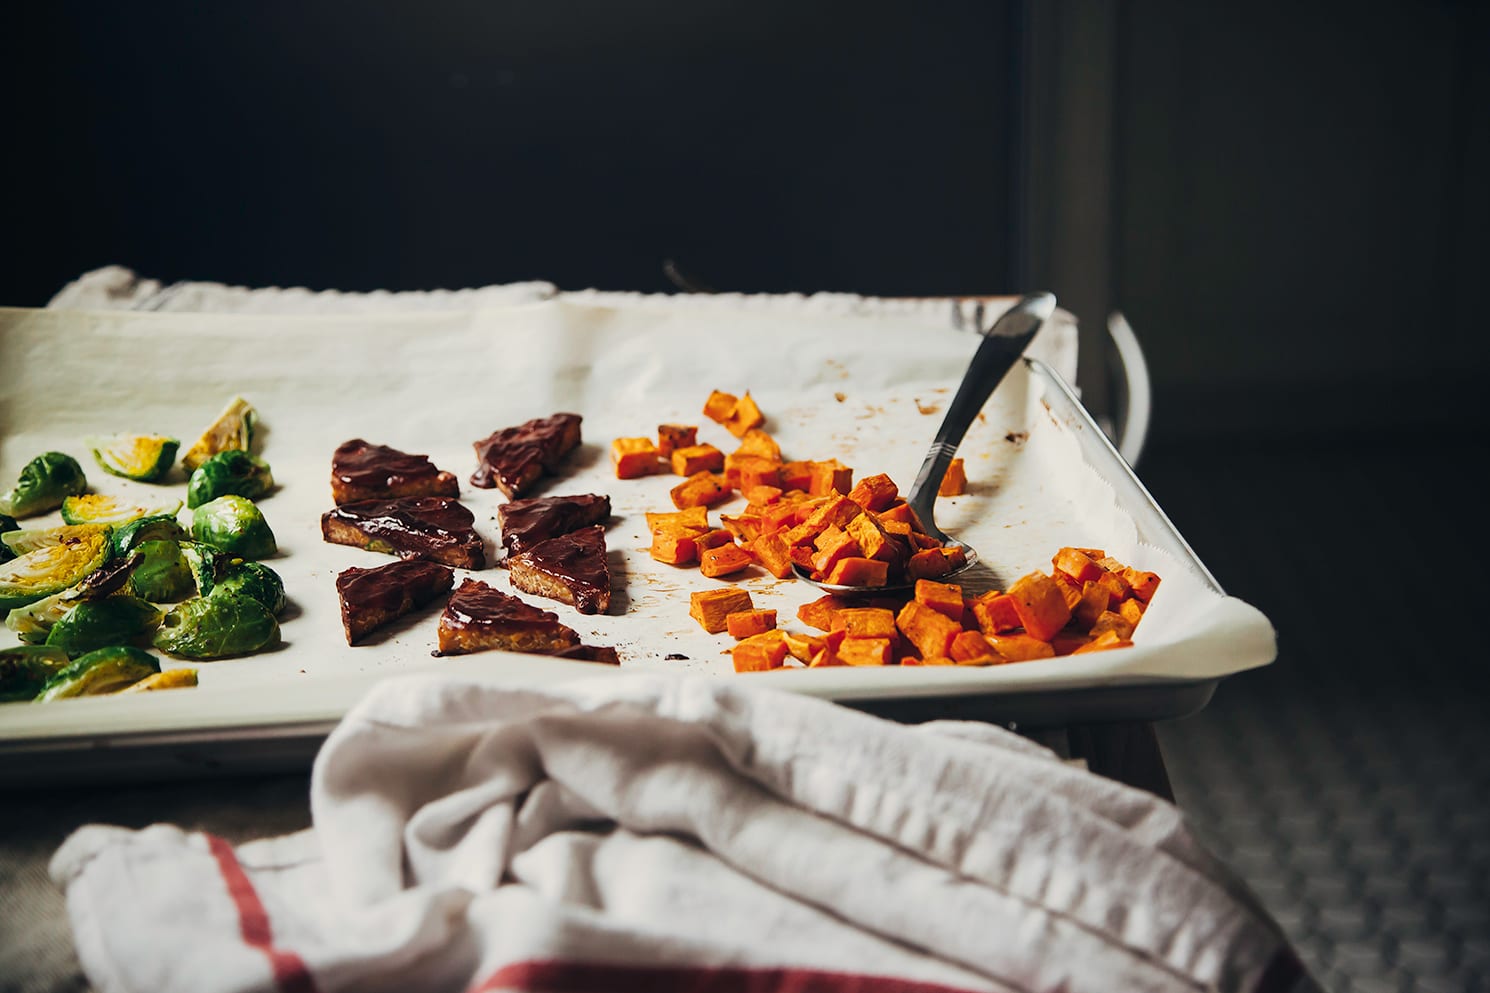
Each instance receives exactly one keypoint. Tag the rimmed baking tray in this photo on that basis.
(868, 391)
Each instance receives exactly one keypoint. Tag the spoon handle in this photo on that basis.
(1001, 347)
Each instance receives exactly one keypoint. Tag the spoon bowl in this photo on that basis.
(1001, 347)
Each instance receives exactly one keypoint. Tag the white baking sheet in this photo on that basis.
(868, 390)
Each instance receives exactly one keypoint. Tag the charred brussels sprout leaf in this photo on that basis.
(52, 565)
(33, 622)
(161, 527)
(170, 679)
(7, 524)
(217, 626)
(99, 508)
(115, 620)
(45, 482)
(233, 429)
(163, 575)
(256, 580)
(104, 670)
(234, 525)
(25, 669)
(205, 563)
(232, 472)
(146, 457)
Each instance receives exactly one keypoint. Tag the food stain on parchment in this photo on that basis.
(927, 408)
(840, 397)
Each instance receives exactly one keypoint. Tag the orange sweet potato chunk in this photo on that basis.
(745, 416)
(702, 489)
(1040, 604)
(954, 483)
(711, 608)
(745, 527)
(833, 546)
(674, 546)
(929, 630)
(928, 563)
(819, 613)
(723, 560)
(1078, 565)
(831, 476)
(1018, 647)
(745, 623)
(854, 571)
(970, 645)
(671, 437)
(1094, 600)
(803, 647)
(758, 442)
(759, 653)
(720, 405)
(773, 555)
(1132, 609)
(874, 493)
(994, 613)
(866, 651)
(634, 457)
(1104, 641)
(1143, 583)
(691, 518)
(828, 654)
(944, 598)
(796, 475)
(866, 622)
(1110, 620)
(697, 458)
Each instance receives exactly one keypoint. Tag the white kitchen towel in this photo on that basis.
(674, 834)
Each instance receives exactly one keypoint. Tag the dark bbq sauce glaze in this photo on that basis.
(477, 607)
(386, 587)
(416, 527)
(513, 458)
(576, 560)
(364, 466)
(526, 523)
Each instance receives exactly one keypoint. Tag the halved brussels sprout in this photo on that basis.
(114, 620)
(234, 525)
(234, 428)
(51, 568)
(25, 669)
(160, 527)
(253, 579)
(217, 626)
(230, 472)
(146, 457)
(7, 525)
(163, 575)
(170, 679)
(100, 508)
(104, 670)
(45, 481)
(205, 562)
(33, 622)
(23, 540)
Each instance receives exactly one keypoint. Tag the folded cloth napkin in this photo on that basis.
(674, 834)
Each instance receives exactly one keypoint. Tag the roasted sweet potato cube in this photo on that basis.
(802, 557)
(901, 528)
(725, 560)
(1018, 647)
(954, 483)
(674, 546)
(691, 518)
(874, 540)
(970, 645)
(831, 476)
(1068, 640)
(703, 489)
(833, 545)
(751, 470)
(720, 406)
(1143, 583)
(1116, 586)
(803, 535)
(802, 647)
(834, 511)
(1070, 589)
(944, 598)
(920, 542)
(992, 658)
(929, 630)
(711, 608)
(697, 458)
(866, 622)
(1132, 609)
(1111, 620)
(745, 527)
(934, 660)
(634, 457)
(715, 538)
(1040, 604)
(758, 442)
(1112, 572)
(928, 563)
(745, 416)
(819, 613)
(1094, 600)
(796, 475)
(671, 437)
(828, 654)
(1078, 565)
(994, 613)
(901, 511)
(759, 653)
(1102, 642)
(773, 555)
(866, 651)
(854, 571)
(777, 517)
(745, 623)
(874, 493)
(761, 496)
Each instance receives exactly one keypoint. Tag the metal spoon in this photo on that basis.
(1001, 347)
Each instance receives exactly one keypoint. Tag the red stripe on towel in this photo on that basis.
(290, 973)
(587, 977)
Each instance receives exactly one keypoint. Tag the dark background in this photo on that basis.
(1290, 203)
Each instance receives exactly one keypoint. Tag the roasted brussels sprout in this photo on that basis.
(205, 562)
(103, 670)
(256, 580)
(114, 620)
(160, 527)
(234, 428)
(45, 482)
(25, 669)
(231, 472)
(7, 524)
(169, 679)
(217, 626)
(163, 575)
(234, 525)
(46, 568)
(146, 457)
(33, 622)
(100, 508)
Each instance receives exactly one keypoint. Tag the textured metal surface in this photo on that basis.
(1348, 781)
